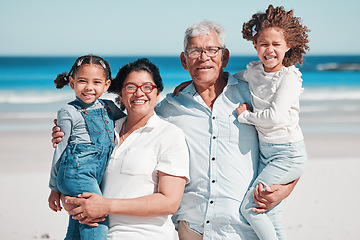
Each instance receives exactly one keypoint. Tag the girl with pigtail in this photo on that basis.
(275, 85)
(80, 159)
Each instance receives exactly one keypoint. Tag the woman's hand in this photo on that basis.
(181, 87)
(242, 108)
(56, 134)
(54, 201)
(92, 208)
(269, 197)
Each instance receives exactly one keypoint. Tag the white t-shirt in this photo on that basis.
(132, 173)
(275, 101)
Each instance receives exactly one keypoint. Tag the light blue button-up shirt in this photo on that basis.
(223, 160)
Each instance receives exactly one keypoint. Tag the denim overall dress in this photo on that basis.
(82, 166)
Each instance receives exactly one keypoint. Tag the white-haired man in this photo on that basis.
(223, 152)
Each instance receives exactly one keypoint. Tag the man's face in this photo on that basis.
(205, 70)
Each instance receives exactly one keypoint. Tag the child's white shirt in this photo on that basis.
(275, 101)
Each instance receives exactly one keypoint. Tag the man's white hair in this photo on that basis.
(202, 28)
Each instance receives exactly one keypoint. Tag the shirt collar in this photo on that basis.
(151, 123)
(190, 89)
(232, 80)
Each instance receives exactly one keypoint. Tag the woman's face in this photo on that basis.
(139, 103)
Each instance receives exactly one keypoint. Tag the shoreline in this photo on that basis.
(32, 149)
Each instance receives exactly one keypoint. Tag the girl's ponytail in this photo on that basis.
(61, 80)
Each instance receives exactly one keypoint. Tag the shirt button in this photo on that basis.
(207, 221)
(211, 202)
(213, 159)
(214, 137)
(213, 117)
(213, 181)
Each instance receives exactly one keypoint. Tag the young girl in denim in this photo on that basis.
(80, 159)
(275, 85)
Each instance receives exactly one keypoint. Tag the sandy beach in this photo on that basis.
(319, 208)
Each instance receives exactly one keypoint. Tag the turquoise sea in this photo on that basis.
(330, 103)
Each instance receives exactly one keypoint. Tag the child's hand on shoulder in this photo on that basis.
(54, 201)
(242, 108)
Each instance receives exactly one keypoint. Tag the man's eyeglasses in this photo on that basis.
(196, 52)
(145, 88)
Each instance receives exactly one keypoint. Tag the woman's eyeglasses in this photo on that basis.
(145, 88)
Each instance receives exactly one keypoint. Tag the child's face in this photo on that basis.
(89, 82)
(271, 48)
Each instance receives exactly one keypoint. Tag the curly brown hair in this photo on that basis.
(295, 33)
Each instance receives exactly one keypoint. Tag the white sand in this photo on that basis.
(323, 206)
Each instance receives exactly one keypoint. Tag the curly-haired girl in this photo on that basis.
(275, 85)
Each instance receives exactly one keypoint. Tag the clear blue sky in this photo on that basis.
(156, 27)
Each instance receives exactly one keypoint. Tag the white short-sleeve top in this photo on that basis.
(132, 173)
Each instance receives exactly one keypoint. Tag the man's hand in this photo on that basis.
(268, 198)
(56, 134)
(92, 208)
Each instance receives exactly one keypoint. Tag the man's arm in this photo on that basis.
(267, 198)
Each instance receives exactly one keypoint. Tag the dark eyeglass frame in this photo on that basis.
(141, 87)
(198, 51)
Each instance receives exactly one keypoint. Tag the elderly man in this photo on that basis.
(223, 152)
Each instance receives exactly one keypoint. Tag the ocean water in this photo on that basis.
(329, 104)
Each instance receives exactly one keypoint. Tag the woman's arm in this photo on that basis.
(166, 201)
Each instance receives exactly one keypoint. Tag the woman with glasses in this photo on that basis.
(147, 172)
